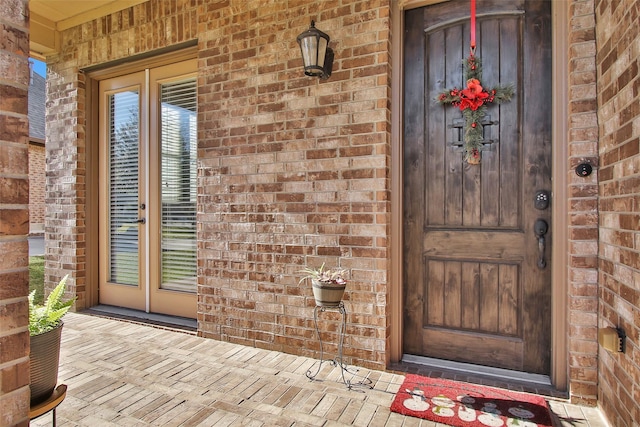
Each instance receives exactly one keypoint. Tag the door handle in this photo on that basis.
(141, 221)
(540, 228)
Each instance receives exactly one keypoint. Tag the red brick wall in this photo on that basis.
(582, 205)
(14, 214)
(295, 173)
(37, 184)
(618, 61)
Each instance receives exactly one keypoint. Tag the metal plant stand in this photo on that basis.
(337, 361)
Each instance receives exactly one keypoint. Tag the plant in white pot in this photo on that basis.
(45, 330)
(328, 284)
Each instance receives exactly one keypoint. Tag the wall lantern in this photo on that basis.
(316, 53)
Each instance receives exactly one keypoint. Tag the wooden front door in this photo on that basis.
(474, 291)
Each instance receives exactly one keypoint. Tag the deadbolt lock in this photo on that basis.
(542, 200)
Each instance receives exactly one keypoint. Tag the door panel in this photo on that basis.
(173, 286)
(473, 290)
(122, 166)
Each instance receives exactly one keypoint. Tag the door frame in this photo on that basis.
(92, 76)
(559, 28)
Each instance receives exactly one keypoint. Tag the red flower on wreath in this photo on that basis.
(473, 96)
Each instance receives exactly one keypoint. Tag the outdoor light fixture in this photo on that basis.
(316, 53)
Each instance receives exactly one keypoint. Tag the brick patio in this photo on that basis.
(122, 373)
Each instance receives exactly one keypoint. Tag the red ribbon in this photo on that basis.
(473, 25)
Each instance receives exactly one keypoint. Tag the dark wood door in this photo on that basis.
(473, 290)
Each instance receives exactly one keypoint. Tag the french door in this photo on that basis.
(148, 149)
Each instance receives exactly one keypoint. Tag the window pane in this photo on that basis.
(178, 184)
(123, 187)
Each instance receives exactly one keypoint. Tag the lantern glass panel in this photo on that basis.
(309, 47)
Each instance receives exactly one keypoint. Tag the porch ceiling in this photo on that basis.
(50, 17)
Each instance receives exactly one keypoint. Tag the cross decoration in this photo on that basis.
(473, 99)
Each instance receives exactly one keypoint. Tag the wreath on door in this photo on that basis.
(473, 99)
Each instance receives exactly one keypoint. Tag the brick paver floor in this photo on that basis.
(129, 374)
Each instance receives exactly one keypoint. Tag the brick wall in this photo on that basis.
(583, 205)
(36, 187)
(618, 60)
(294, 173)
(14, 214)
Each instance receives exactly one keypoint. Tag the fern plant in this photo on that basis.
(43, 318)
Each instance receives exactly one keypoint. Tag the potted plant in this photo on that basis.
(328, 284)
(45, 330)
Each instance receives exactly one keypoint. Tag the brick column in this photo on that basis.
(14, 213)
(583, 205)
(64, 225)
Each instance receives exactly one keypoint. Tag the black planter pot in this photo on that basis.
(44, 359)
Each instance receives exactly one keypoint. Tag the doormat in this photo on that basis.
(469, 405)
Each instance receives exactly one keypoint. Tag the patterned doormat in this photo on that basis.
(469, 405)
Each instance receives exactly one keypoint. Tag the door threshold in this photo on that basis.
(486, 371)
(181, 324)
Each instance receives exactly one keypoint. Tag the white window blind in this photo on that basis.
(123, 187)
(178, 184)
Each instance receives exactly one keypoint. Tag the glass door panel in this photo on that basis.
(178, 184)
(123, 124)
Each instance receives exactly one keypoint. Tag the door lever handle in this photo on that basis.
(540, 228)
(542, 263)
(141, 221)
